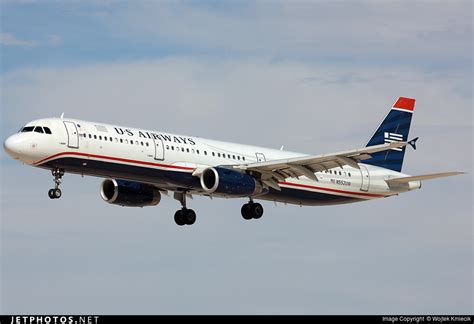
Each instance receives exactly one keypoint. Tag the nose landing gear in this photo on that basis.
(56, 192)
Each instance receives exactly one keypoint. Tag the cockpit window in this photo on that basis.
(36, 129)
(27, 129)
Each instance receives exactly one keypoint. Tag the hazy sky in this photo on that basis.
(314, 76)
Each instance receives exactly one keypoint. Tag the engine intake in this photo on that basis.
(129, 193)
(229, 182)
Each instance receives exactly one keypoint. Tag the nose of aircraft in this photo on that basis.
(12, 146)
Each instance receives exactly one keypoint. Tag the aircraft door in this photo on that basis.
(365, 178)
(260, 157)
(72, 136)
(159, 149)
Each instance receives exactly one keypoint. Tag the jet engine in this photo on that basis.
(129, 193)
(229, 182)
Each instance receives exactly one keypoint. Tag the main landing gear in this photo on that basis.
(56, 192)
(251, 210)
(184, 216)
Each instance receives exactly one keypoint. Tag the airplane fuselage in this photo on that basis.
(173, 162)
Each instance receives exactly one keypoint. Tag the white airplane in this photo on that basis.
(141, 164)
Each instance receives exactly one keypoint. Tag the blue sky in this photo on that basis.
(315, 76)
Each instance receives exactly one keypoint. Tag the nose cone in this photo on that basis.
(12, 146)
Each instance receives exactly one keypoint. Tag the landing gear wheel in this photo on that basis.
(57, 193)
(183, 216)
(178, 218)
(256, 210)
(246, 212)
(189, 216)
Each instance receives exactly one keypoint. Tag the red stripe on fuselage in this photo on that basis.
(115, 159)
(332, 190)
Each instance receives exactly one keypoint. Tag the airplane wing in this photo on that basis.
(422, 177)
(278, 170)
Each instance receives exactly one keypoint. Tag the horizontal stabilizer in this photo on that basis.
(422, 177)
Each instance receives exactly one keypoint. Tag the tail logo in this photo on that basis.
(393, 137)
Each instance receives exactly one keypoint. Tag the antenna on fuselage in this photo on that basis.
(62, 115)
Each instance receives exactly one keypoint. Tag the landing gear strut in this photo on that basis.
(183, 216)
(56, 192)
(251, 210)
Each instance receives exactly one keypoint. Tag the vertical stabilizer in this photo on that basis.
(395, 127)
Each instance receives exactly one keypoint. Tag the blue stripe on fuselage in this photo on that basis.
(183, 180)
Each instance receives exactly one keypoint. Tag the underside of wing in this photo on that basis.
(272, 172)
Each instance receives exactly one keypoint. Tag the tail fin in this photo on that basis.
(395, 127)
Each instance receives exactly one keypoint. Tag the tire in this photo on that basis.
(178, 218)
(57, 193)
(257, 210)
(189, 217)
(246, 212)
(51, 193)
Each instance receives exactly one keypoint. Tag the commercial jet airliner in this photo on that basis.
(139, 165)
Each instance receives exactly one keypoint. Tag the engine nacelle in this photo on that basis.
(129, 193)
(229, 182)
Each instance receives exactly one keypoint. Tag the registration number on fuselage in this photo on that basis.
(341, 182)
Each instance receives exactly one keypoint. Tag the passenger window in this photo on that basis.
(131, 141)
(238, 157)
(349, 174)
(100, 137)
(167, 147)
(243, 158)
(27, 129)
(213, 154)
(121, 140)
(340, 173)
(146, 143)
(228, 156)
(205, 152)
(95, 136)
(218, 154)
(233, 156)
(197, 151)
(47, 130)
(39, 129)
(182, 149)
(187, 150)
